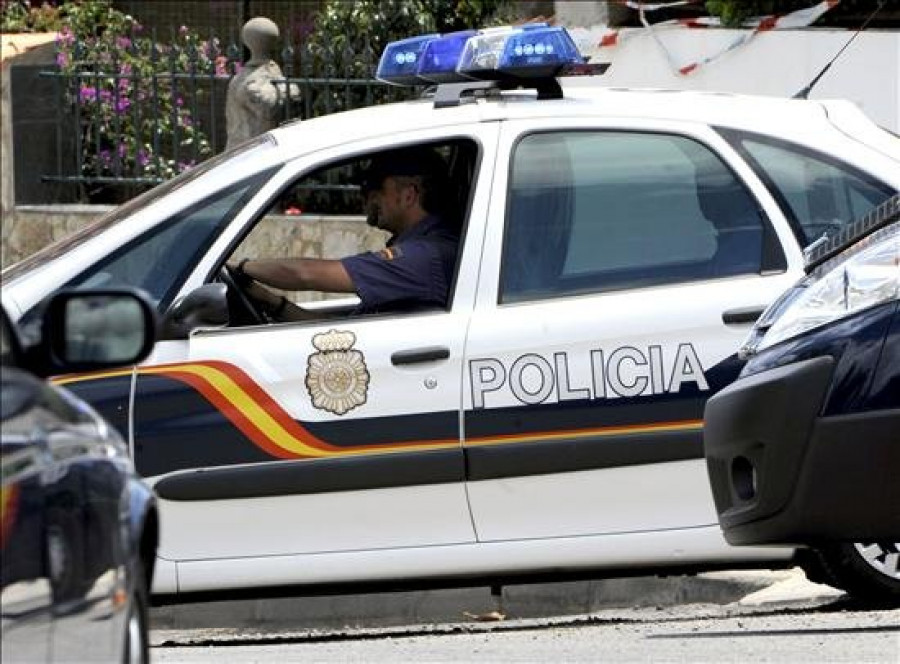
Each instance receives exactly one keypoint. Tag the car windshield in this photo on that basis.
(878, 218)
(242, 153)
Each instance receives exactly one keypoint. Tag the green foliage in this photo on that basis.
(346, 42)
(734, 12)
(348, 37)
(23, 16)
(131, 93)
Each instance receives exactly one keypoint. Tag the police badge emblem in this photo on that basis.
(336, 377)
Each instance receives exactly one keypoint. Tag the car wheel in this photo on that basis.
(137, 642)
(865, 570)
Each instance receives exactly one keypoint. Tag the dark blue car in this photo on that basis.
(78, 529)
(805, 447)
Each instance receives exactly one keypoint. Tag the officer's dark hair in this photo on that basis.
(420, 164)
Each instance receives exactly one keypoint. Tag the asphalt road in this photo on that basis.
(786, 625)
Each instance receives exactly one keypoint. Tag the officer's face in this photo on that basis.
(386, 206)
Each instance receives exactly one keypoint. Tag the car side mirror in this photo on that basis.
(93, 330)
(205, 307)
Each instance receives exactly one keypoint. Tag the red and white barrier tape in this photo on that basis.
(796, 19)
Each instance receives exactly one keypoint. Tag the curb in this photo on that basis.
(396, 609)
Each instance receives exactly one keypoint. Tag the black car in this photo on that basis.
(805, 447)
(78, 529)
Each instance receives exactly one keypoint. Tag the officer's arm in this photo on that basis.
(301, 274)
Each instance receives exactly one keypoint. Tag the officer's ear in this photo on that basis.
(411, 190)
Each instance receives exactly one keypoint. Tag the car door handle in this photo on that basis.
(416, 355)
(742, 315)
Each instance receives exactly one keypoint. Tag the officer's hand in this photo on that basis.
(236, 268)
(262, 294)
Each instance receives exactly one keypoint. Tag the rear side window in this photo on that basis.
(817, 193)
(602, 211)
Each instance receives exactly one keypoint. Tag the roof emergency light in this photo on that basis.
(528, 51)
(509, 53)
(400, 61)
(441, 56)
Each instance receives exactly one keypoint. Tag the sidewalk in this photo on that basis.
(750, 588)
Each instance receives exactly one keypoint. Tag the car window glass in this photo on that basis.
(599, 211)
(159, 260)
(817, 193)
(322, 215)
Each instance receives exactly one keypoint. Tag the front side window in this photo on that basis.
(602, 211)
(312, 255)
(159, 260)
(817, 193)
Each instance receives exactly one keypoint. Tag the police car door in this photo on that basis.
(273, 441)
(621, 272)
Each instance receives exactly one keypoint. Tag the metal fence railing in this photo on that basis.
(131, 120)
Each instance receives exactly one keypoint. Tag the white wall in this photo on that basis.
(778, 63)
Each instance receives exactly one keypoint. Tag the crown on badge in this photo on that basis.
(333, 341)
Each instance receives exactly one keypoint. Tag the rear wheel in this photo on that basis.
(865, 570)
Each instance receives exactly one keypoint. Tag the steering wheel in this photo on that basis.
(242, 307)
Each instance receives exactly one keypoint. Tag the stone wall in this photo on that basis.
(26, 229)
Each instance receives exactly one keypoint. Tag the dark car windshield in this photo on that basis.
(879, 217)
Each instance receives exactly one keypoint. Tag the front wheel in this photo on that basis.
(865, 570)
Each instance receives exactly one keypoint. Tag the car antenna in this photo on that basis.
(804, 93)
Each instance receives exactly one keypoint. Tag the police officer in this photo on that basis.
(402, 191)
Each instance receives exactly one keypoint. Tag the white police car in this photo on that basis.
(617, 245)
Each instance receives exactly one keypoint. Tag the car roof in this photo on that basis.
(748, 112)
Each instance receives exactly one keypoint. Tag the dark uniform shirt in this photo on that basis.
(413, 271)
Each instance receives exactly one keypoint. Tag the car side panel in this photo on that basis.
(254, 455)
(87, 543)
(606, 389)
(482, 561)
(26, 592)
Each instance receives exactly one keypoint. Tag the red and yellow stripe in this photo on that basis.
(590, 432)
(259, 417)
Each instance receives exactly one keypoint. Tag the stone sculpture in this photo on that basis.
(255, 98)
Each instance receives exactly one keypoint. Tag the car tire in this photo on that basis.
(868, 571)
(137, 640)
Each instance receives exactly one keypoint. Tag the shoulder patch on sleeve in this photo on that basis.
(390, 253)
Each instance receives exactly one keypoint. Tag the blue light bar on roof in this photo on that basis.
(441, 56)
(529, 51)
(508, 53)
(400, 61)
